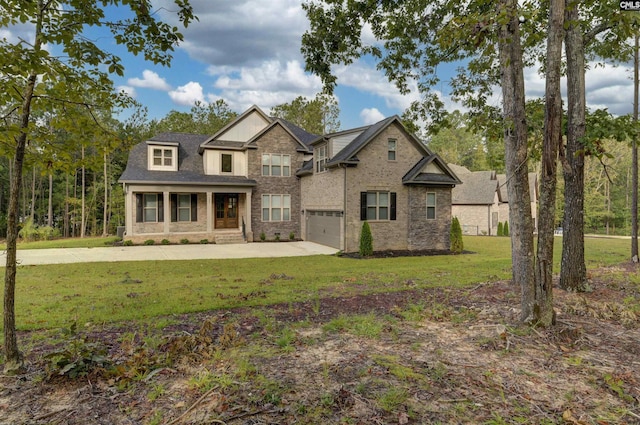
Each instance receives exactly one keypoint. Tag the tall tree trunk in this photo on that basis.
(543, 307)
(634, 158)
(515, 138)
(66, 206)
(573, 273)
(106, 198)
(32, 211)
(82, 213)
(50, 202)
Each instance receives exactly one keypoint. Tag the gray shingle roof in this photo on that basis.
(478, 188)
(416, 176)
(348, 153)
(190, 167)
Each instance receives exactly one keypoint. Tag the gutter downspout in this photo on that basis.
(344, 211)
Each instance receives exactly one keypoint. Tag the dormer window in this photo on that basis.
(226, 163)
(163, 157)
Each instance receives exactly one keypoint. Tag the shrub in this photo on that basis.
(292, 236)
(184, 241)
(500, 229)
(506, 228)
(455, 236)
(204, 241)
(366, 240)
(277, 237)
(263, 237)
(165, 242)
(128, 242)
(149, 242)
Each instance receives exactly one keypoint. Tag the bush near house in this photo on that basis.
(366, 240)
(456, 236)
(506, 228)
(500, 229)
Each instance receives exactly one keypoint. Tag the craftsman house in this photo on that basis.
(482, 201)
(264, 178)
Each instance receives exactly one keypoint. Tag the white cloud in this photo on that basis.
(130, 91)
(150, 80)
(188, 94)
(371, 116)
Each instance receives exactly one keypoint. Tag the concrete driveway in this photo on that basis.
(169, 252)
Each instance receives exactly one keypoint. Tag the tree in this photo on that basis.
(77, 76)
(505, 228)
(500, 231)
(455, 236)
(317, 116)
(366, 240)
(204, 118)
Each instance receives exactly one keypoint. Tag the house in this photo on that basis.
(482, 202)
(264, 178)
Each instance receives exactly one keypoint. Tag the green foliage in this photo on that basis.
(317, 116)
(263, 237)
(455, 236)
(500, 229)
(366, 240)
(31, 232)
(202, 119)
(77, 357)
(292, 236)
(184, 241)
(165, 242)
(204, 241)
(149, 242)
(128, 242)
(506, 228)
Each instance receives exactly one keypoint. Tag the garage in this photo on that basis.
(323, 227)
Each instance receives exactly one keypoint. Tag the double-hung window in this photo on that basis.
(162, 158)
(377, 205)
(276, 165)
(226, 163)
(431, 206)
(276, 207)
(149, 208)
(391, 149)
(184, 207)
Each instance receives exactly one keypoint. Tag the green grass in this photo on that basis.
(53, 296)
(92, 242)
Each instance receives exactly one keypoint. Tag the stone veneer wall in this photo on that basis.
(275, 141)
(429, 234)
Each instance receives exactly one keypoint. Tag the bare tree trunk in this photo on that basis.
(573, 272)
(66, 207)
(82, 213)
(106, 198)
(32, 212)
(515, 137)
(543, 306)
(50, 204)
(634, 159)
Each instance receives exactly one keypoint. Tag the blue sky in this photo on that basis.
(248, 52)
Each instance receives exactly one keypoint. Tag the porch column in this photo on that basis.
(247, 209)
(167, 212)
(129, 209)
(209, 213)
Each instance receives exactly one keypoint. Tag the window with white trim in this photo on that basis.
(163, 158)
(391, 149)
(321, 158)
(276, 207)
(276, 165)
(431, 206)
(377, 205)
(184, 207)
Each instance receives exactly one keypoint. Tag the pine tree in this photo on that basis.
(366, 240)
(506, 228)
(500, 229)
(456, 236)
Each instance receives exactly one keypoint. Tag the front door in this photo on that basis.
(226, 210)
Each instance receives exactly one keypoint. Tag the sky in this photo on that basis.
(247, 52)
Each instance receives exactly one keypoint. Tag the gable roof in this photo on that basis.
(302, 137)
(190, 166)
(478, 188)
(348, 154)
(419, 173)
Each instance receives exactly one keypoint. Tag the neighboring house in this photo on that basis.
(481, 202)
(261, 177)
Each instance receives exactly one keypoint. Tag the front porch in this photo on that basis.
(188, 214)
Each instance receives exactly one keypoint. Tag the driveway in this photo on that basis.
(169, 252)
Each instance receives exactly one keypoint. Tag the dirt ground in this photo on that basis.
(420, 356)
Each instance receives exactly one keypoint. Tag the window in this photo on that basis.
(494, 219)
(276, 165)
(184, 207)
(226, 163)
(431, 206)
(163, 158)
(377, 206)
(321, 159)
(391, 150)
(276, 207)
(149, 208)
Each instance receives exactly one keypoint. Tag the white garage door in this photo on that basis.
(323, 227)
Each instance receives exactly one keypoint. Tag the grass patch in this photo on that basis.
(52, 296)
(91, 242)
